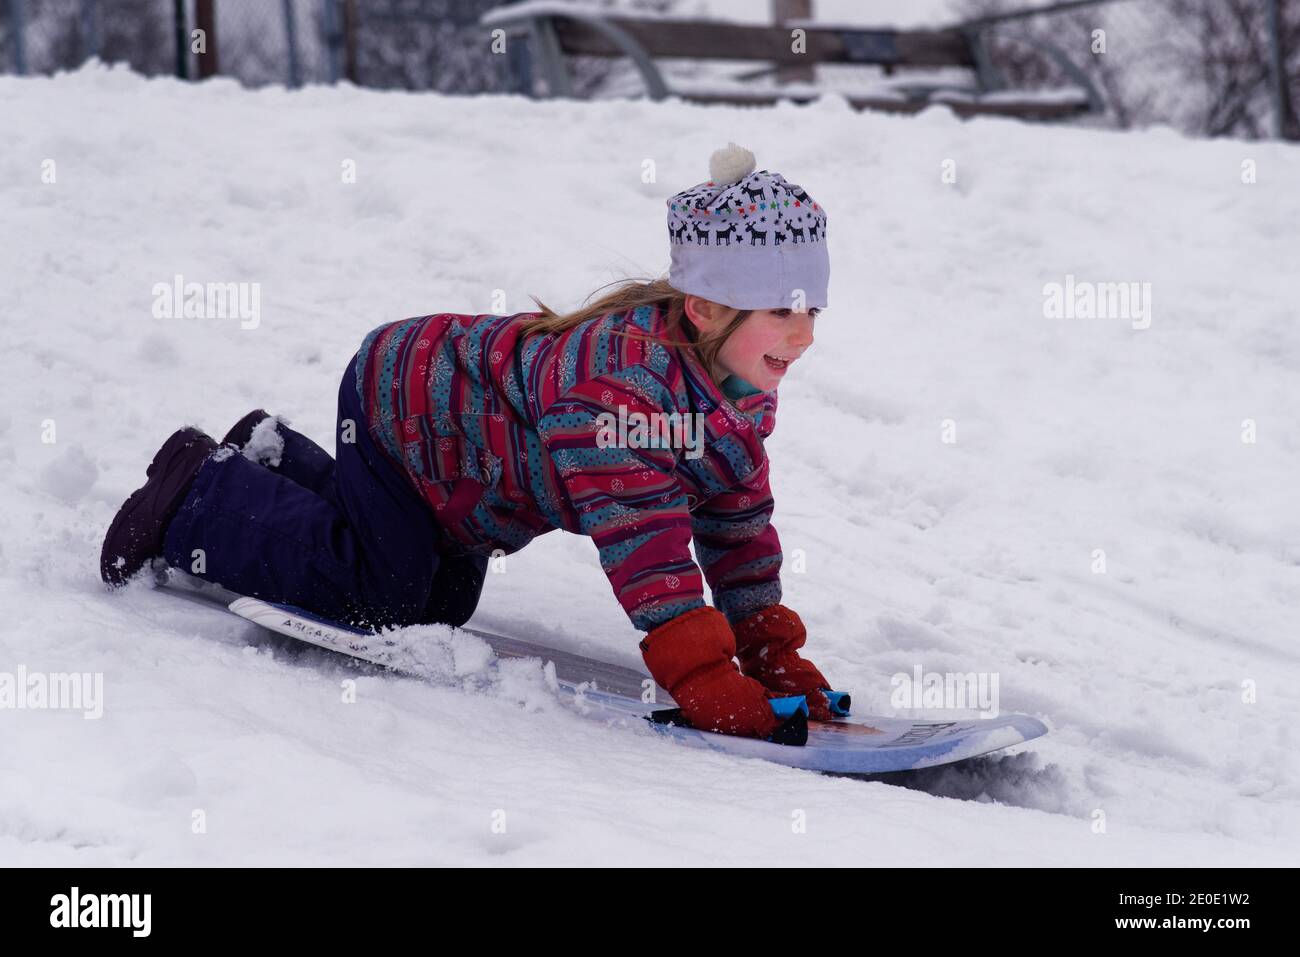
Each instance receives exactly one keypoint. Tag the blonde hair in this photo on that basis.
(632, 294)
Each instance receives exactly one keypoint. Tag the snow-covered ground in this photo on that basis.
(979, 554)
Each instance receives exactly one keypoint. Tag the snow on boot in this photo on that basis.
(242, 430)
(136, 534)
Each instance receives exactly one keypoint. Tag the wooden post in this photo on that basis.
(205, 19)
(89, 29)
(182, 40)
(291, 44)
(333, 38)
(350, 39)
(1284, 121)
(783, 10)
(18, 35)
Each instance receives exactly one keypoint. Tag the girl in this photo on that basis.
(461, 436)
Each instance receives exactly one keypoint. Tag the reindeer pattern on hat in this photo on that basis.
(762, 209)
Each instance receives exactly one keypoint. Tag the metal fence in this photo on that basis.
(1209, 67)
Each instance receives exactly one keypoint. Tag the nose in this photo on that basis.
(801, 336)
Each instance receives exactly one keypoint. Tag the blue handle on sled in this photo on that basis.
(784, 708)
(839, 702)
(791, 712)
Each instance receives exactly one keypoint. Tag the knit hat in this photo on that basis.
(746, 239)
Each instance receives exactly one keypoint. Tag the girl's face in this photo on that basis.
(767, 343)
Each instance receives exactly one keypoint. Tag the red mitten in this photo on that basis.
(691, 656)
(768, 644)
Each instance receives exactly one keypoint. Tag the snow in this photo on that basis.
(69, 476)
(1072, 435)
(265, 445)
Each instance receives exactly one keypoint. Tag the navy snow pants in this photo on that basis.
(347, 538)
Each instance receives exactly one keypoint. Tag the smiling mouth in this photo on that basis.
(779, 365)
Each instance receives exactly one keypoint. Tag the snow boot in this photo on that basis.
(136, 534)
(242, 430)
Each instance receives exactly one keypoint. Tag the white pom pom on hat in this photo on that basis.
(730, 164)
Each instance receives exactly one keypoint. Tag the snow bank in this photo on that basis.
(963, 483)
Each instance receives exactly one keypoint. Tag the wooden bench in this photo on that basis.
(558, 30)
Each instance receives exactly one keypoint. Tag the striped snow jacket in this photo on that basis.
(507, 437)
